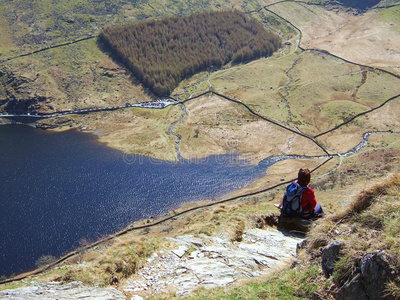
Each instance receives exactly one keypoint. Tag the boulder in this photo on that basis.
(329, 257)
(352, 290)
(375, 270)
(369, 282)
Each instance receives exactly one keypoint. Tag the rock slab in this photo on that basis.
(369, 281)
(214, 261)
(56, 290)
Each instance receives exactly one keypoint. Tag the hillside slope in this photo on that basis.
(302, 107)
(350, 254)
(51, 60)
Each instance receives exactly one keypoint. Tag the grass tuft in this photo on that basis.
(392, 290)
(366, 198)
(117, 262)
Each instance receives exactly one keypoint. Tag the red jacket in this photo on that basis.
(308, 201)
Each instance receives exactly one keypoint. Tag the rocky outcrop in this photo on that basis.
(369, 280)
(329, 256)
(209, 262)
(22, 93)
(195, 261)
(56, 290)
(52, 123)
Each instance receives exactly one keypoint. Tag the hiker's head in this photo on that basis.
(304, 176)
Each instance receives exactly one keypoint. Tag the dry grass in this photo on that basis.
(382, 196)
(393, 290)
(368, 224)
(109, 264)
(363, 38)
(217, 126)
(6, 45)
(370, 196)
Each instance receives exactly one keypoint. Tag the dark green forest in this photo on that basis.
(162, 52)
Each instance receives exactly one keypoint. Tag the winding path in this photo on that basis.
(286, 87)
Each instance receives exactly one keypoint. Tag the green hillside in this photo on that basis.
(365, 265)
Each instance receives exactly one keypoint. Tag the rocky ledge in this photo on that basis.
(56, 290)
(195, 262)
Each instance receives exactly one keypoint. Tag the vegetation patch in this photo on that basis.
(214, 125)
(109, 265)
(161, 53)
(368, 225)
(365, 226)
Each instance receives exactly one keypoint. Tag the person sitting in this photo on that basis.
(310, 209)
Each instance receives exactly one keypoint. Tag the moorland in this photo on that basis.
(334, 80)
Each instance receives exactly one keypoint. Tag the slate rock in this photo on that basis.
(352, 290)
(329, 256)
(180, 252)
(190, 239)
(375, 269)
(56, 290)
(369, 282)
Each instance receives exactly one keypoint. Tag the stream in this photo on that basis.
(364, 142)
(170, 131)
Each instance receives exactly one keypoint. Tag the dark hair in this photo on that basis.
(304, 176)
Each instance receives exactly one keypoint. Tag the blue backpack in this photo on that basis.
(292, 200)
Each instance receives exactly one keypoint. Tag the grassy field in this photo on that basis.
(348, 136)
(214, 125)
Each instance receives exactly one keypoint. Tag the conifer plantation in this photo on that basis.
(162, 52)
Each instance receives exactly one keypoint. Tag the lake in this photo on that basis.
(57, 189)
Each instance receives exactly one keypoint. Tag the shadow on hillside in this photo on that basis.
(135, 81)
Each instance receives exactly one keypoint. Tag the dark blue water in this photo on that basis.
(59, 188)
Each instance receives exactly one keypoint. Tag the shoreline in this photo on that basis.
(140, 224)
(177, 206)
(174, 213)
